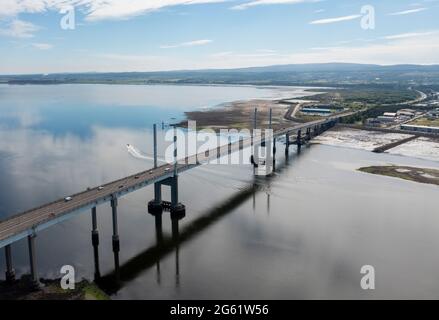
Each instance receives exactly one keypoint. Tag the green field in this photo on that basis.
(425, 122)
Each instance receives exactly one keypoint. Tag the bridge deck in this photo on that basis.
(29, 222)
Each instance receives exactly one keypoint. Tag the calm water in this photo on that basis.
(303, 233)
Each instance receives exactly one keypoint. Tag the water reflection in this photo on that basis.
(134, 267)
(148, 258)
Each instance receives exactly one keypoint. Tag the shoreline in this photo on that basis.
(49, 289)
(414, 174)
(239, 114)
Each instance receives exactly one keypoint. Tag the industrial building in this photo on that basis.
(417, 128)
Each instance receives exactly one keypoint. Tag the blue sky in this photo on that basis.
(150, 35)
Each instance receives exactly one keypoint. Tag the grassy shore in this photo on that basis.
(22, 289)
(421, 175)
(425, 122)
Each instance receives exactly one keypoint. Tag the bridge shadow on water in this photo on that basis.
(114, 281)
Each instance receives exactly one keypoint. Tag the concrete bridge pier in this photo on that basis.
(178, 210)
(115, 237)
(299, 139)
(316, 130)
(10, 272)
(308, 134)
(95, 242)
(33, 260)
(155, 206)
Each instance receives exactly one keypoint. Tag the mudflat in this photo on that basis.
(239, 115)
(421, 175)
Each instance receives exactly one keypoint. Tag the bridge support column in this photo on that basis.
(33, 261)
(95, 242)
(115, 238)
(178, 210)
(308, 134)
(155, 206)
(299, 139)
(10, 272)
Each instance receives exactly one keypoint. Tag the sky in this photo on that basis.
(52, 36)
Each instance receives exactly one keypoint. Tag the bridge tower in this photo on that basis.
(157, 205)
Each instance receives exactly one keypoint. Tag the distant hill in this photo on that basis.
(292, 74)
(325, 67)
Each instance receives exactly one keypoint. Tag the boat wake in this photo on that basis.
(136, 153)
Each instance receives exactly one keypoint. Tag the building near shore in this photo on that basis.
(317, 111)
(406, 113)
(373, 122)
(386, 119)
(434, 114)
(417, 128)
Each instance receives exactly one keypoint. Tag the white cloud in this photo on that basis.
(42, 46)
(337, 19)
(420, 49)
(409, 35)
(400, 13)
(187, 44)
(409, 50)
(268, 2)
(95, 9)
(15, 7)
(19, 29)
